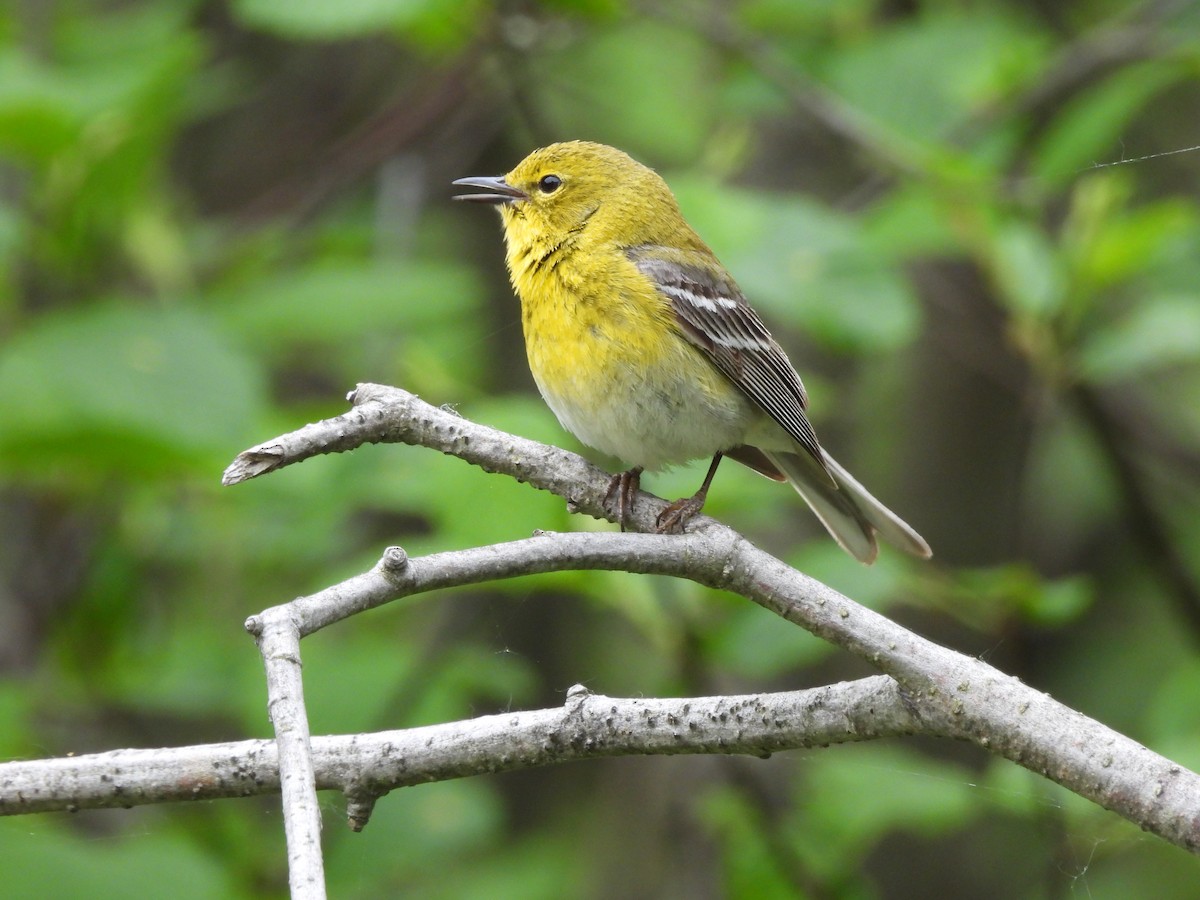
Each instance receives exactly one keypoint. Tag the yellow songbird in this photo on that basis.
(646, 349)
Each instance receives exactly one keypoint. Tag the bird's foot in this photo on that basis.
(623, 488)
(674, 519)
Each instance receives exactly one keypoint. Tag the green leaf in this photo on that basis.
(750, 867)
(596, 89)
(1125, 243)
(330, 302)
(442, 821)
(1068, 492)
(894, 790)
(539, 863)
(314, 19)
(1156, 334)
(118, 79)
(1089, 130)
(125, 389)
(40, 113)
(16, 705)
(1028, 270)
(320, 20)
(43, 858)
(912, 221)
(412, 323)
(801, 19)
(988, 597)
(758, 644)
(926, 77)
(1171, 717)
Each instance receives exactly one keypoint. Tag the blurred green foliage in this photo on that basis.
(215, 218)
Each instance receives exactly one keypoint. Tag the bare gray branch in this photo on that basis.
(952, 695)
(368, 765)
(924, 688)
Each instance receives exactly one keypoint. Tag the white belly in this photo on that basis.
(642, 426)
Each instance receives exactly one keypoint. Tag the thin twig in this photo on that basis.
(279, 643)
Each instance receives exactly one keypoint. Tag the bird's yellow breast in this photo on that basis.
(611, 362)
(591, 332)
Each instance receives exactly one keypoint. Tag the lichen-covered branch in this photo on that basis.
(924, 688)
(366, 765)
(950, 694)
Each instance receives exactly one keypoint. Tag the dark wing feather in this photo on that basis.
(714, 315)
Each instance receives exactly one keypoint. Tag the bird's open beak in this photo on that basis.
(502, 191)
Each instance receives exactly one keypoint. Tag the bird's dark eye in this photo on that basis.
(549, 184)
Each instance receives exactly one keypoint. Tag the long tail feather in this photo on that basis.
(849, 511)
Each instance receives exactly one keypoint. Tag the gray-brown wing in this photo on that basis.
(714, 315)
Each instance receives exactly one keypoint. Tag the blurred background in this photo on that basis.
(217, 217)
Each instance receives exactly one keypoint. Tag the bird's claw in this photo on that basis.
(674, 519)
(623, 487)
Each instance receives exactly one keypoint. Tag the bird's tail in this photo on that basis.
(848, 510)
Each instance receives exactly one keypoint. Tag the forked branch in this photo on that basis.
(947, 694)
(924, 688)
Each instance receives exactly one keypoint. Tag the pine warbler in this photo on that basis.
(645, 348)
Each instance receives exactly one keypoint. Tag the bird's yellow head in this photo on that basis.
(564, 190)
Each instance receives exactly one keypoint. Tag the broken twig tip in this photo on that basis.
(252, 463)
